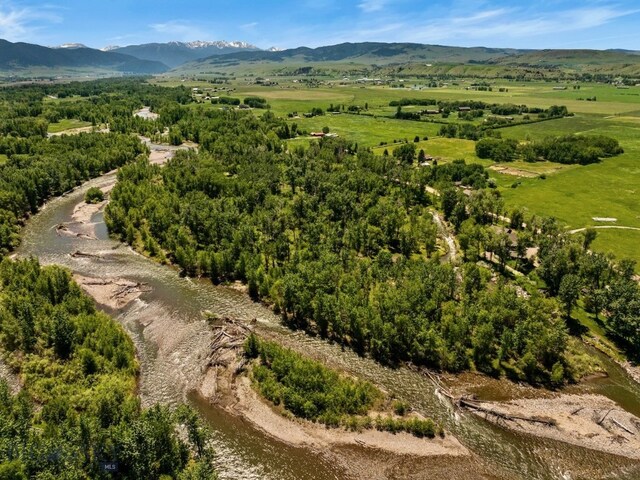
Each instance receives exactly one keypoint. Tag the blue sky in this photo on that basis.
(285, 23)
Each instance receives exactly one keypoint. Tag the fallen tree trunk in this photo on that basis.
(622, 426)
(549, 422)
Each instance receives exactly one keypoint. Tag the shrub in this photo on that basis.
(94, 195)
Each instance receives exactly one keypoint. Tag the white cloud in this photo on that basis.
(500, 24)
(249, 26)
(369, 6)
(18, 24)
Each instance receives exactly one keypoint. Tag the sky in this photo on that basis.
(572, 24)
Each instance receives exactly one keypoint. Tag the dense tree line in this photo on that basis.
(607, 288)
(569, 149)
(78, 405)
(38, 169)
(305, 387)
(312, 391)
(476, 105)
(339, 243)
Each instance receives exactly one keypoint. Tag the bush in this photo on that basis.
(256, 102)
(400, 407)
(94, 195)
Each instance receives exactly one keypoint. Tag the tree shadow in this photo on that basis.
(575, 328)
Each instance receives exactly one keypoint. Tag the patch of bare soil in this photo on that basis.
(76, 131)
(113, 293)
(10, 377)
(516, 172)
(589, 421)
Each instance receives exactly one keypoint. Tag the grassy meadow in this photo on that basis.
(67, 124)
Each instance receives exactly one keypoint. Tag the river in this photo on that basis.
(172, 337)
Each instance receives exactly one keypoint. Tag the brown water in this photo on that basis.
(172, 338)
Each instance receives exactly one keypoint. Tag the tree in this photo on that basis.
(569, 292)
(406, 153)
(589, 236)
(94, 195)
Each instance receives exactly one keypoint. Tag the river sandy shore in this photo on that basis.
(83, 212)
(226, 383)
(114, 293)
(590, 421)
(253, 408)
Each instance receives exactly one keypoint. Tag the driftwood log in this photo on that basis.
(549, 422)
(228, 338)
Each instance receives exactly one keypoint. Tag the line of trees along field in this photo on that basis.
(570, 149)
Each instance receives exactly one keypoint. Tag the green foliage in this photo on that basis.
(78, 405)
(405, 153)
(94, 195)
(226, 101)
(307, 388)
(256, 102)
(38, 169)
(400, 408)
(310, 390)
(337, 247)
(570, 149)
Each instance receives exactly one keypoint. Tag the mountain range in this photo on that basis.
(20, 56)
(174, 54)
(154, 58)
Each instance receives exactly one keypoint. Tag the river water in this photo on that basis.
(172, 337)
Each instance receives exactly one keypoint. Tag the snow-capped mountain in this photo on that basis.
(177, 53)
(71, 45)
(217, 44)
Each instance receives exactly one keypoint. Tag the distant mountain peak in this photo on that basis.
(274, 49)
(71, 45)
(196, 44)
(176, 53)
(108, 48)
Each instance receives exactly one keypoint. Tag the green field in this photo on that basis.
(67, 124)
(621, 243)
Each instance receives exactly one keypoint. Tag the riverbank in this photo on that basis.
(226, 383)
(589, 421)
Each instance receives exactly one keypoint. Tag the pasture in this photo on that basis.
(66, 124)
